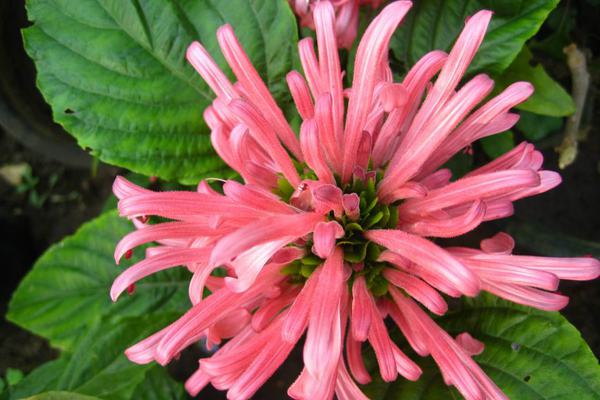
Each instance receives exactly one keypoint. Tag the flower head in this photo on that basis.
(329, 235)
(346, 22)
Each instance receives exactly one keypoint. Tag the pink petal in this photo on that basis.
(263, 316)
(405, 366)
(418, 289)
(421, 141)
(324, 17)
(326, 125)
(189, 328)
(255, 197)
(438, 179)
(355, 359)
(310, 65)
(231, 324)
(382, 344)
(320, 351)
(262, 231)
(301, 95)
(257, 90)
(570, 268)
(328, 198)
(209, 70)
(473, 188)
(249, 264)
(351, 204)
(122, 188)
(324, 237)
(361, 310)
(196, 382)
(527, 296)
(184, 205)
(262, 130)
(168, 230)
(415, 340)
(143, 351)
(451, 226)
(372, 50)
(500, 243)
(471, 345)
(261, 369)
(363, 154)
(432, 276)
(393, 95)
(160, 262)
(425, 253)
(345, 388)
(312, 151)
(296, 319)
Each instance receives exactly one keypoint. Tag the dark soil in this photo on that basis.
(29, 225)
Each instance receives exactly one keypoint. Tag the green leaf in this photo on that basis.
(61, 396)
(115, 74)
(536, 127)
(435, 24)
(40, 380)
(459, 164)
(496, 145)
(549, 97)
(97, 365)
(67, 289)
(530, 354)
(158, 385)
(13, 376)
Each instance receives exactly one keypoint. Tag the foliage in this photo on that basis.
(116, 77)
(435, 24)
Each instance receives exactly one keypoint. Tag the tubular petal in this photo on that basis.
(361, 310)
(418, 289)
(319, 348)
(154, 264)
(423, 252)
(257, 90)
(372, 50)
(262, 231)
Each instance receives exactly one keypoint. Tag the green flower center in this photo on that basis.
(359, 252)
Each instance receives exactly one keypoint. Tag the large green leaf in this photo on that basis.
(67, 289)
(549, 97)
(41, 380)
(435, 24)
(98, 367)
(496, 145)
(158, 385)
(61, 395)
(115, 74)
(535, 127)
(530, 354)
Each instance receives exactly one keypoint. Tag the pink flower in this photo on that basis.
(347, 13)
(328, 235)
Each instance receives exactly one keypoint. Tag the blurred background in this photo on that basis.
(49, 186)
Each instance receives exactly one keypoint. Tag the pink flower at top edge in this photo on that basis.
(346, 22)
(328, 236)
